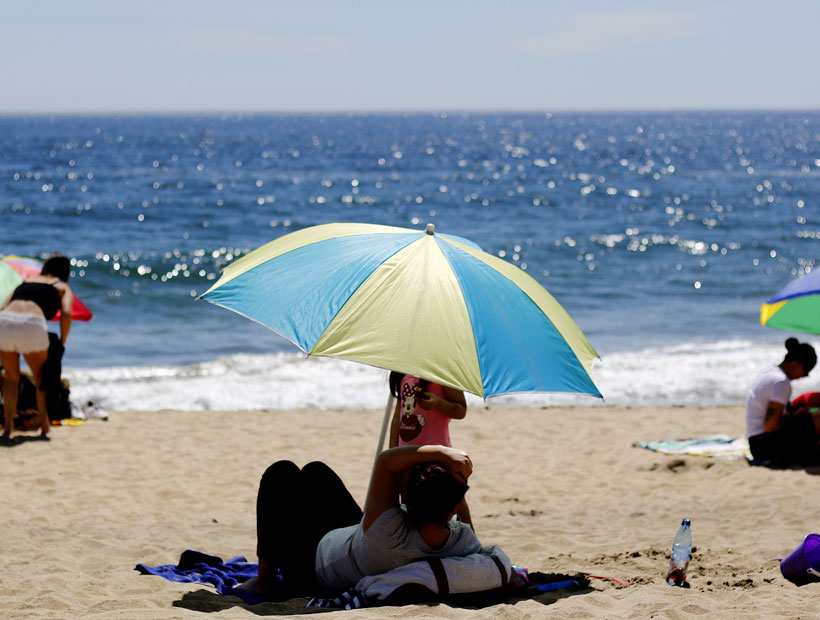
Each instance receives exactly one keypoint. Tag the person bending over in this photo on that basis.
(23, 331)
(774, 434)
(312, 530)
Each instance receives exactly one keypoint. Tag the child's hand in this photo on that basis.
(452, 407)
(426, 400)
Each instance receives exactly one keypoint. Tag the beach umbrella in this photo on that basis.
(795, 307)
(9, 280)
(426, 304)
(29, 267)
(419, 302)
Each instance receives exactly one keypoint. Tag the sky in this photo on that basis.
(91, 56)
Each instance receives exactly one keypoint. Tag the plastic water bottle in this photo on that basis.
(681, 552)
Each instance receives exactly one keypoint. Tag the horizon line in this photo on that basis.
(397, 111)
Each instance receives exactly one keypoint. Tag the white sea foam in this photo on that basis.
(686, 374)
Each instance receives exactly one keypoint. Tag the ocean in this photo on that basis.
(660, 233)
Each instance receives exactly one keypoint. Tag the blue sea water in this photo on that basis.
(660, 233)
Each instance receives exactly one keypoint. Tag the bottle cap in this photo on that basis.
(686, 522)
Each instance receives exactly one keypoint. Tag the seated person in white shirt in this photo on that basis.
(774, 433)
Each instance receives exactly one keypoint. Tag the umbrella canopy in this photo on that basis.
(29, 267)
(419, 302)
(795, 307)
(9, 280)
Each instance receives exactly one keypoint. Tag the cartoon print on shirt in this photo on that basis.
(410, 426)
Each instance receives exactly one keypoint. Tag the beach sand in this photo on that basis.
(560, 489)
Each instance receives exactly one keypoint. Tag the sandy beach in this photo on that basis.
(560, 489)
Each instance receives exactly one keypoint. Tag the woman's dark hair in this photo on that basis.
(58, 266)
(800, 352)
(395, 383)
(432, 493)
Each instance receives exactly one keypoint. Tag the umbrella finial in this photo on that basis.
(431, 228)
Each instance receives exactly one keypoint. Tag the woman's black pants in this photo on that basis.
(294, 510)
(795, 443)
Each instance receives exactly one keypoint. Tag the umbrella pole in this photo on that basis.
(388, 412)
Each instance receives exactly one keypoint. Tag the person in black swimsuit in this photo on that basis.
(23, 331)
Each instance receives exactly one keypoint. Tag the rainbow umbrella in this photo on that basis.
(419, 302)
(28, 267)
(795, 307)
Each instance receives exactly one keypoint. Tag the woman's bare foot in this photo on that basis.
(265, 582)
(253, 586)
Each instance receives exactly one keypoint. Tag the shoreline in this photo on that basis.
(690, 373)
(560, 489)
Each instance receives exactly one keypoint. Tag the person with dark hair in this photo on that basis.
(311, 529)
(430, 492)
(58, 266)
(422, 416)
(774, 433)
(23, 331)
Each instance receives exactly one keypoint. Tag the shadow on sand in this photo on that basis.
(812, 470)
(209, 601)
(21, 439)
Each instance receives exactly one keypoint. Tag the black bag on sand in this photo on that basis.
(58, 403)
(53, 368)
(57, 398)
(57, 392)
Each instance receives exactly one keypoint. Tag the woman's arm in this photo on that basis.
(66, 305)
(383, 493)
(774, 413)
(453, 405)
(463, 513)
(394, 425)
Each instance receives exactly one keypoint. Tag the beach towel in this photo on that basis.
(712, 446)
(426, 580)
(198, 567)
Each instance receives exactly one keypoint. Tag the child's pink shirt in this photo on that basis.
(417, 426)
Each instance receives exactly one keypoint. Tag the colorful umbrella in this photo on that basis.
(29, 267)
(795, 307)
(422, 303)
(9, 280)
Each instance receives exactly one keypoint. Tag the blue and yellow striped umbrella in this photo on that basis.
(795, 307)
(419, 302)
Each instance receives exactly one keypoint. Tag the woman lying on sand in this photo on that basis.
(310, 527)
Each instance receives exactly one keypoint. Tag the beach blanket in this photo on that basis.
(711, 446)
(425, 580)
(198, 567)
